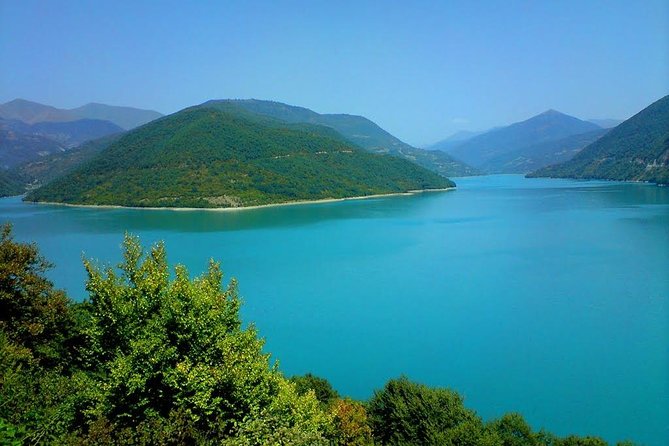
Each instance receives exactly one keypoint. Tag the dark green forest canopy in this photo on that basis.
(11, 183)
(636, 150)
(204, 157)
(357, 130)
(154, 357)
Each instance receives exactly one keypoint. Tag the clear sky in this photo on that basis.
(421, 70)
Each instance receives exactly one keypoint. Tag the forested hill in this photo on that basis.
(356, 129)
(637, 149)
(204, 157)
(10, 183)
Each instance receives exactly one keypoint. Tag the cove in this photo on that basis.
(546, 297)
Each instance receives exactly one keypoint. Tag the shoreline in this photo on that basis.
(240, 208)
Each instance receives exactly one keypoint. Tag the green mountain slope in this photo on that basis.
(356, 129)
(47, 168)
(536, 156)
(637, 150)
(204, 157)
(551, 125)
(11, 183)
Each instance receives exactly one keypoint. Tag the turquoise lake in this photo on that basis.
(545, 297)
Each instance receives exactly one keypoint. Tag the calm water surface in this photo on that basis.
(547, 297)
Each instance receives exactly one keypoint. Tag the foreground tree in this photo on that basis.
(169, 347)
(324, 391)
(33, 314)
(156, 360)
(404, 412)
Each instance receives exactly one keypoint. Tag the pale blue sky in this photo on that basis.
(421, 70)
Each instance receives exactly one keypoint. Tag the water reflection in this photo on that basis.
(37, 218)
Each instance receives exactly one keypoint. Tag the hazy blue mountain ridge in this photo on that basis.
(536, 156)
(637, 150)
(33, 112)
(480, 150)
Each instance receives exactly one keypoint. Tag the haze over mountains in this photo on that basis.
(46, 144)
(637, 150)
(493, 151)
(30, 131)
(32, 112)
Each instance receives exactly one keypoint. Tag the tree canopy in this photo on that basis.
(154, 357)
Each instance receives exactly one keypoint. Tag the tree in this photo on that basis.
(33, 314)
(351, 423)
(404, 412)
(324, 391)
(178, 346)
(513, 430)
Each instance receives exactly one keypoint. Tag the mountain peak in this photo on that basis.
(552, 112)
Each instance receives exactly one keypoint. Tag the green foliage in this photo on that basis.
(155, 357)
(513, 430)
(351, 423)
(11, 183)
(409, 413)
(32, 313)
(10, 435)
(321, 387)
(356, 129)
(178, 346)
(637, 150)
(203, 157)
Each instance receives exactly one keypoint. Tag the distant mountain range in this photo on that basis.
(21, 142)
(40, 144)
(17, 147)
(30, 131)
(67, 133)
(637, 149)
(217, 155)
(493, 151)
(532, 157)
(454, 140)
(33, 112)
(606, 123)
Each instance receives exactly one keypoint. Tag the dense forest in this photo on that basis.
(11, 183)
(356, 129)
(636, 150)
(203, 157)
(153, 357)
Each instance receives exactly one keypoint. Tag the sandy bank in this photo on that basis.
(240, 208)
